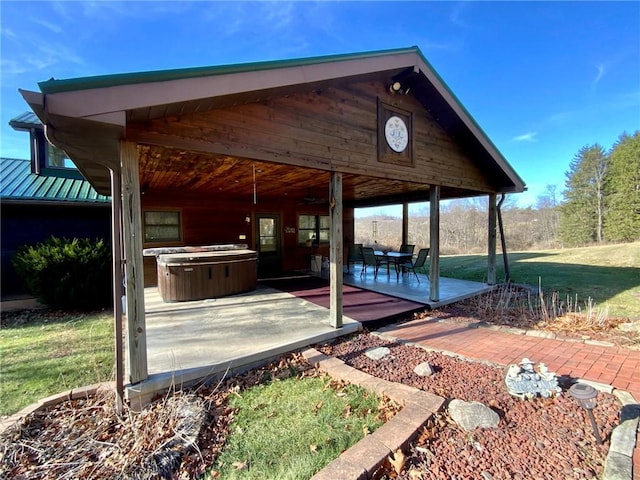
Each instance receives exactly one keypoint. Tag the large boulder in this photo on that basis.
(471, 415)
(377, 353)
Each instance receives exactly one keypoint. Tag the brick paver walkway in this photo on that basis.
(615, 366)
(619, 367)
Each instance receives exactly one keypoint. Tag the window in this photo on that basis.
(162, 227)
(56, 158)
(47, 159)
(313, 227)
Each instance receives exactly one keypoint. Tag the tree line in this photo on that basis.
(600, 203)
(602, 194)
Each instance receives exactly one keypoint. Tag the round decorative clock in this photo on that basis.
(396, 133)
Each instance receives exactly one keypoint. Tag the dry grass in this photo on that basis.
(523, 307)
(179, 436)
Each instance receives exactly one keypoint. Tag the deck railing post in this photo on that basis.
(491, 241)
(405, 223)
(134, 276)
(116, 249)
(336, 250)
(434, 243)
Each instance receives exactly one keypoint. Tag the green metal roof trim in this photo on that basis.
(103, 81)
(26, 120)
(18, 183)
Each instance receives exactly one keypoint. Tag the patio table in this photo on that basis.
(397, 258)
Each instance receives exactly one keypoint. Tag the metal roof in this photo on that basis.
(25, 121)
(88, 117)
(17, 183)
(85, 83)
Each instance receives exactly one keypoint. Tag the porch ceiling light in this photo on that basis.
(398, 87)
(586, 395)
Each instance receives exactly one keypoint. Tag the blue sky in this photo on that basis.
(542, 79)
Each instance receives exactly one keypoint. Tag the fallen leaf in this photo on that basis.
(240, 465)
(415, 473)
(398, 460)
(313, 448)
(366, 430)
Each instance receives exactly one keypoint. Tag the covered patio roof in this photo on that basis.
(87, 117)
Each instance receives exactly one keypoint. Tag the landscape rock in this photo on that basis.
(471, 415)
(377, 353)
(630, 327)
(424, 370)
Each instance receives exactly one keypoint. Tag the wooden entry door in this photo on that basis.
(268, 244)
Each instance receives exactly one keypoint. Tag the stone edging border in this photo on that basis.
(365, 457)
(73, 394)
(619, 462)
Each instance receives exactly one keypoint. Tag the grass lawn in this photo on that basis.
(43, 354)
(609, 274)
(290, 429)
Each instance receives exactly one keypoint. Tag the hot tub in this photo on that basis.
(201, 275)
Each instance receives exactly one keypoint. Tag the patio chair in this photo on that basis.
(369, 258)
(405, 248)
(354, 255)
(421, 259)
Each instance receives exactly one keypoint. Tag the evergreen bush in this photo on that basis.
(67, 274)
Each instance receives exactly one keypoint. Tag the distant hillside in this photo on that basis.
(463, 228)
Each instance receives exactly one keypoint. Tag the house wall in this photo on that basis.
(329, 129)
(22, 224)
(219, 220)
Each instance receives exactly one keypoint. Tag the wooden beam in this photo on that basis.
(405, 223)
(335, 250)
(434, 243)
(491, 240)
(134, 276)
(116, 249)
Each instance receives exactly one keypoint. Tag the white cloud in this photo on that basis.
(8, 33)
(526, 137)
(456, 14)
(278, 15)
(449, 46)
(560, 118)
(602, 70)
(48, 25)
(11, 67)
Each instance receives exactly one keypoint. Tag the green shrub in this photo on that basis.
(67, 274)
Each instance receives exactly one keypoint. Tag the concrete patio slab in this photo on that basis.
(207, 339)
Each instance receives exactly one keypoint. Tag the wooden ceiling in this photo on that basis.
(164, 170)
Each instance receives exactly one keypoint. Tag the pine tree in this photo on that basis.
(622, 186)
(582, 213)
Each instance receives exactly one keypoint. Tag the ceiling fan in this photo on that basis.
(310, 199)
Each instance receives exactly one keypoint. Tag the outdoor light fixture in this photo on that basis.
(586, 398)
(398, 87)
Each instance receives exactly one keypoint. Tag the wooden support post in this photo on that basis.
(491, 240)
(134, 276)
(434, 243)
(405, 223)
(335, 250)
(116, 249)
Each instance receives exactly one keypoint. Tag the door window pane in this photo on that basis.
(267, 235)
